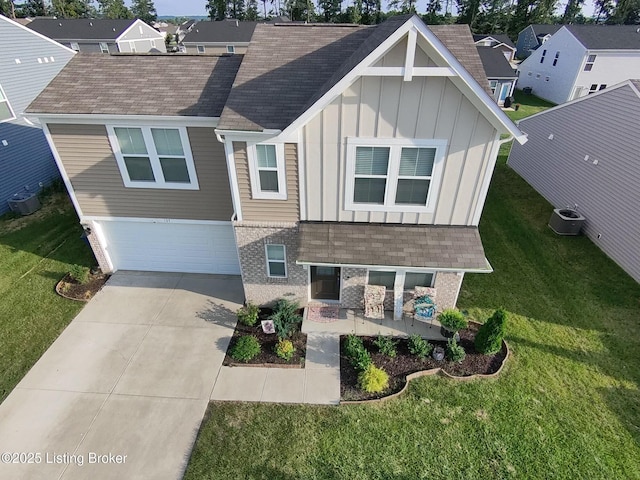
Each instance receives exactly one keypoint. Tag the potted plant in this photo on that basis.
(451, 320)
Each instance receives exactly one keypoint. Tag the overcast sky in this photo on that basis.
(197, 7)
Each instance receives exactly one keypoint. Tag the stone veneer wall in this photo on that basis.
(98, 252)
(447, 288)
(353, 282)
(259, 288)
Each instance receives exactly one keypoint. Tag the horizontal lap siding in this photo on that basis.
(607, 128)
(268, 210)
(89, 161)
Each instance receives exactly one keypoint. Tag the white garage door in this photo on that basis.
(171, 247)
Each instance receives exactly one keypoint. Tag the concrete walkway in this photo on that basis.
(130, 376)
(317, 383)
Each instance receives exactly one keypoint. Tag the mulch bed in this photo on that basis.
(71, 289)
(268, 344)
(404, 364)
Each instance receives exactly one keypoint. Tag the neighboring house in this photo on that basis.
(584, 154)
(223, 36)
(582, 59)
(185, 27)
(28, 62)
(166, 28)
(499, 42)
(352, 155)
(93, 35)
(502, 77)
(532, 37)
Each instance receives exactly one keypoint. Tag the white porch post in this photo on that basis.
(398, 295)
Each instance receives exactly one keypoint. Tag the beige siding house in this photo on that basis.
(355, 155)
(219, 37)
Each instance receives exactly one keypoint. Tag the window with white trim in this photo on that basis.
(383, 278)
(276, 260)
(153, 44)
(544, 54)
(591, 59)
(409, 280)
(75, 46)
(593, 88)
(154, 157)
(231, 49)
(555, 59)
(104, 48)
(133, 47)
(493, 84)
(6, 112)
(418, 279)
(393, 174)
(200, 48)
(267, 171)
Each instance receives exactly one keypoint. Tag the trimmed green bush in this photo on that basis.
(454, 351)
(386, 346)
(373, 379)
(419, 347)
(248, 315)
(246, 348)
(351, 344)
(358, 356)
(285, 349)
(453, 319)
(490, 335)
(79, 273)
(286, 318)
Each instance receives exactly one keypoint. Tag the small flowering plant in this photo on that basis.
(285, 349)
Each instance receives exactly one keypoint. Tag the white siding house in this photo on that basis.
(581, 59)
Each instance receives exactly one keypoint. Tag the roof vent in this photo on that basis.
(60, 24)
(113, 29)
(237, 24)
(91, 24)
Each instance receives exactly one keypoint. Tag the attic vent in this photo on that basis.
(113, 29)
(60, 24)
(91, 24)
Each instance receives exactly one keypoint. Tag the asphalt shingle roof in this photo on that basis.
(392, 245)
(220, 32)
(495, 64)
(500, 37)
(605, 37)
(80, 28)
(139, 85)
(545, 29)
(289, 67)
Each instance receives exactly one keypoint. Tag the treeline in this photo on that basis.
(145, 10)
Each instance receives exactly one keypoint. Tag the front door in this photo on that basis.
(325, 283)
(504, 91)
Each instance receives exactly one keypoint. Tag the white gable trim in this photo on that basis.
(138, 22)
(87, 118)
(491, 109)
(8, 20)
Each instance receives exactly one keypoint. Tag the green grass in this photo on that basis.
(566, 406)
(35, 252)
(529, 104)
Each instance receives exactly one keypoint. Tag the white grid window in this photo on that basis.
(383, 278)
(200, 48)
(104, 48)
(267, 171)
(75, 46)
(417, 279)
(150, 157)
(6, 112)
(591, 59)
(370, 182)
(493, 84)
(231, 49)
(276, 261)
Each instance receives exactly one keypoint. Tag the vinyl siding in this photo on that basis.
(214, 49)
(425, 108)
(271, 210)
(89, 161)
(607, 194)
(142, 46)
(147, 32)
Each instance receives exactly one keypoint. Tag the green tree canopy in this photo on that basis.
(145, 10)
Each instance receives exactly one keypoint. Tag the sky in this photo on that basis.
(185, 8)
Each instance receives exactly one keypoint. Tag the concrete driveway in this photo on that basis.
(121, 393)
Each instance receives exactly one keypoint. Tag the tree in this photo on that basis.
(330, 10)
(217, 9)
(404, 6)
(236, 9)
(251, 13)
(300, 10)
(571, 11)
(603, 9)
(145, 10)
(371, 12)
(468, 10)
(7, 8)
(490, 335)
(33, 8)
(73, 8)
(355, 12)
(113, 9)
(626, 12)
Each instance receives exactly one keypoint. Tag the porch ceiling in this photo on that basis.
(422, 246)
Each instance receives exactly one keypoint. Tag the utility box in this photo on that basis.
(24, 203)
(565, 221)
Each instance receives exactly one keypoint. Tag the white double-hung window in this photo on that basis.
(154, 157)
(267, 171)
(394, 175)
(6, 112)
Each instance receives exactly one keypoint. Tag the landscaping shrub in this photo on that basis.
(454, 351)
(373, 379)
(419, 347)
(490, 335)
(248, 315)
(246, 348)
(453, 319)
(285, 349)
(79, 273)
(359, 357)
(285, 317)
(386, 345)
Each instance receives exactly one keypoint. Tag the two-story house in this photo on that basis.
(326, 158)
(501, 75)
(28, 62)
(497, 41)
(532, 36)
(101, 35)
(218, 37)
(582, 59)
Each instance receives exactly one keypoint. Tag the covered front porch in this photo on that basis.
(343, 321)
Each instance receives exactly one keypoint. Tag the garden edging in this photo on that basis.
(59, 292)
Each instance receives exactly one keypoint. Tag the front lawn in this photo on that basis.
(35, 252)
(529, 105)
(567, 404)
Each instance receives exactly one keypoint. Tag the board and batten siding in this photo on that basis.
(606, 128)
(268, 210)
(87, 157)
(424, 108)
